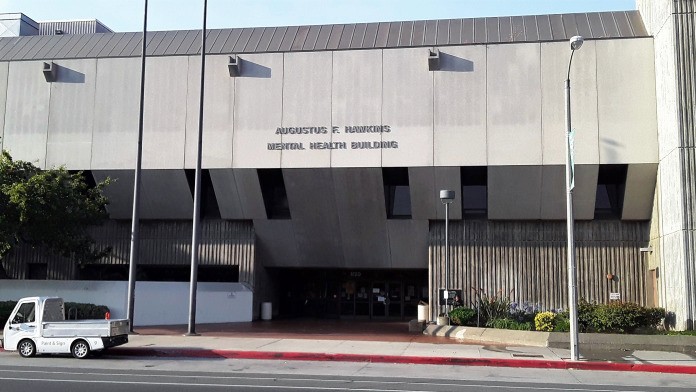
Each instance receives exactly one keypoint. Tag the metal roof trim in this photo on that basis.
(354, 36)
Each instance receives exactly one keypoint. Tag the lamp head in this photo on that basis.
(446, 196)
(576, 42)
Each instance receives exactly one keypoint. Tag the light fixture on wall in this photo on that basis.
(50, 71)
(433, 59)
(647, 249)
(235, 65)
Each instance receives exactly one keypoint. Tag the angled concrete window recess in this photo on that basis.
(50, 71)
(234, 66)
(434, 59)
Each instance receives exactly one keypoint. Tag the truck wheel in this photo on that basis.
(80, 349)
(26, 348)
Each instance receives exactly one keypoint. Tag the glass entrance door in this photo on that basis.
(395, 297)
(387, 298)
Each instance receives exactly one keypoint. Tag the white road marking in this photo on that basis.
(297, 387)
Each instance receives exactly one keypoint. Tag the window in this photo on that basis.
(397, 193)
(25, 314)
(611, 183)
(275, 198)
(474, 191)
(161, 273)
(38, 271)
(209, 205)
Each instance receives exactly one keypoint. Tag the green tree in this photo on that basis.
(49, 209)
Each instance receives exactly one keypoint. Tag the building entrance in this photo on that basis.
(387, 299)
(366, 294)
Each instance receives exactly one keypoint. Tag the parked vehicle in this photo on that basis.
(37, 325)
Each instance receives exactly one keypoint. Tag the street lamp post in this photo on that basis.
(575, 44)
(135, 221)
(447, 197)
(195, 237)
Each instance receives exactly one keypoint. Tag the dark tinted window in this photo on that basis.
(37, 271)
(474, 191)
(611, 183)
(275, 198)
(209, 204)
(397, 193)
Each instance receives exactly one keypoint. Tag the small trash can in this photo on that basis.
(266, 310)
(423, 311)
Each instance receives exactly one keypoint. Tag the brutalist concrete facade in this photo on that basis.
(672, 23)
(336, 109)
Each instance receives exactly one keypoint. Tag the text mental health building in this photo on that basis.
(325, 148)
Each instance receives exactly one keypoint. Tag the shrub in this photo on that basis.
(561, 323)
(616, 317)
(508, 323)
(493, 307)
(461, 315)
(586, 315)
(681, 333)
(625, 317)
(84, 311)
(524, 312)
(6, 308)
(544, 321)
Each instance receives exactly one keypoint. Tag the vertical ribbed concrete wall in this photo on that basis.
(228, 243)
(673, 236)
(527, 260)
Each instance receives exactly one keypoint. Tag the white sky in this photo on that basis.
(126, 15)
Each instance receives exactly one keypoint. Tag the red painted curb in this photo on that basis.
(497, 362)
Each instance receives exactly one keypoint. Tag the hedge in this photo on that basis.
(614, 317)
(84, 311)
(462, 316)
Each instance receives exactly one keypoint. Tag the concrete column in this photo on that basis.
(673, 237)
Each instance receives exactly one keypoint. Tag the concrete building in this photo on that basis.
(325, 147)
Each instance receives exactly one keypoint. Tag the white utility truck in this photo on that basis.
(38, 325)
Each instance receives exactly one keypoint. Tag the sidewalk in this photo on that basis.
(389, 342)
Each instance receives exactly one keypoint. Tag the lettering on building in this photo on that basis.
(352, 130)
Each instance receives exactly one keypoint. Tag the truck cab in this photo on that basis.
(37, 325)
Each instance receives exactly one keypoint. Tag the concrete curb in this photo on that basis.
(596, 341)
(456, 361)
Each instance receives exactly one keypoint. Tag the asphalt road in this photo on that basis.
(51, 373)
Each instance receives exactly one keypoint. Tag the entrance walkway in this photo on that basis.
(307, 328)
(385, 342)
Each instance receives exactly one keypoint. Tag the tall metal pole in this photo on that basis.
(572, 277)
(135, 221)
(575, 43)
(447, 261)
(446, 197)
(197, 190)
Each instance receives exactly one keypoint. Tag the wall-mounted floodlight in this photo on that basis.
(235, 65)
(433, 59)
(50, 71)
